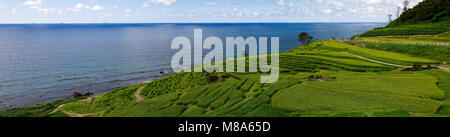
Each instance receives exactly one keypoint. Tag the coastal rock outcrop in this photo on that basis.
(78, 94)
(163, 72)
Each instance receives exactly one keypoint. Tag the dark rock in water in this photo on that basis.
(77, 94)
(163, 72)
(88, 94)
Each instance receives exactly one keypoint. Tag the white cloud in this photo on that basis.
(373, 1)
(127, 10)
(280, 2)
(234, 8)
(46, 10)
(211, 3)
(72, 9)
(255, 13)
(145, 4)
(13, 10)
(306, 1)
(108, 14)
(32, 2)
(79, 6)
(371, 9)
(332, 4)
(36, 5)
(327, 11)
(239, 14)
(236, 12)
(97, 7)
(2, 5)
(157, 2)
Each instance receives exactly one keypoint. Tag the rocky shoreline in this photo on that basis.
(26, 100)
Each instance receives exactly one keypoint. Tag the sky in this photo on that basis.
(188, 11)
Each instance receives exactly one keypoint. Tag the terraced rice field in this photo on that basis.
(363, 92)
(352, 87)
(385, 56)
(242, 96)
(440, 53)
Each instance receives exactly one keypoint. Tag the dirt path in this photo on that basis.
(57, 109)
(138, 98)
(379, 62)
(81, 115)
(62, 105)
(445, 67)
(74, 114)
(136, 94)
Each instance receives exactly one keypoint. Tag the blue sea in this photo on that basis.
(46, 62)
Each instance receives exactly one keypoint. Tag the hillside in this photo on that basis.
(426, 11)
(324, 78)
(429, 17)
(328, 78)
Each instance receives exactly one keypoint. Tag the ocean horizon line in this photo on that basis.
(74, 23)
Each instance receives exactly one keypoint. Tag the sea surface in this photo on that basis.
(46, 62)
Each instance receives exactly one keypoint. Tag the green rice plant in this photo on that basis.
(440, 53)
(379, 55)
(353, 89)
(173, 83)
(443, 84)
(193, 111)
(415, 85)
(191, 95)
(266, 110)
(304, 98)
(345, 61)
(153, 107)
(409, 39)
(247, 85)
(311, 63)
(38, 110)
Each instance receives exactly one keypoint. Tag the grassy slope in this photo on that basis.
(420, 28)
(39, 110)
(443, 38)
(363, 92)
(440, 53)
(429, 17)
(356, 88)
(384, 56)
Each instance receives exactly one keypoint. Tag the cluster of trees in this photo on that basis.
(305, 38)
(405, 8)
(428, 10)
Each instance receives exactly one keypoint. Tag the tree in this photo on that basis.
(390, 17)
(405, 5)
(305, 38)
(398, 11)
